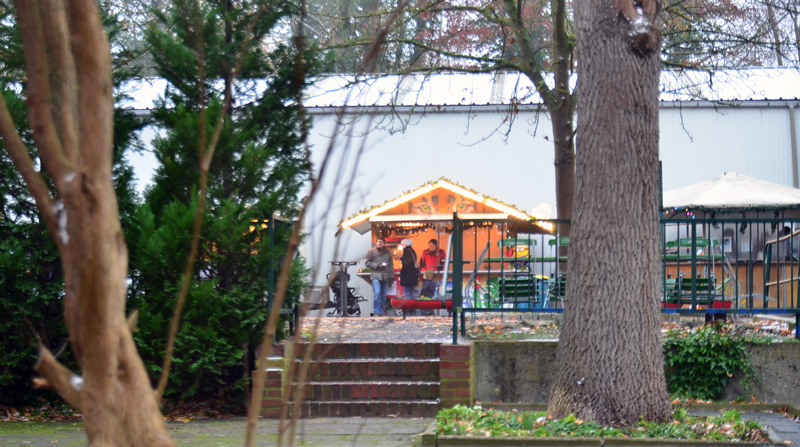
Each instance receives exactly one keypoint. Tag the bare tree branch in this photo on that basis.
(529, 50)
(116, 396)
(63, 77)
(39, 94)
(58, 378)
(22, 160)
(132, 321)
(95, 104)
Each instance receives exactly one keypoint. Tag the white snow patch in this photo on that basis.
(639, 25)
(76, 382)
(70, 176)
(62, 222)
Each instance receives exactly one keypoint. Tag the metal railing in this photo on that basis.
(730, 265)
(709, 266)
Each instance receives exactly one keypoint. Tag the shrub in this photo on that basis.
(699, 363)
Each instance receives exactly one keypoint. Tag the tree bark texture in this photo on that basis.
(70, 107)
(610, 349)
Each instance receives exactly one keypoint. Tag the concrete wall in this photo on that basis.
(523, 372)
(777, 374)
(519, 372)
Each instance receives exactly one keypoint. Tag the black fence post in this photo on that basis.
(694, 264)
(458, 272)
(271, 277)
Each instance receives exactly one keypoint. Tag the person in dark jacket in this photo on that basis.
(379, 260)
(409, 273)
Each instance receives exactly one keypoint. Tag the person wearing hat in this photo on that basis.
(409, 273)
(379, 261)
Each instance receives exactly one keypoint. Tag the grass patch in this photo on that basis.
(477, 421)
(39, 428)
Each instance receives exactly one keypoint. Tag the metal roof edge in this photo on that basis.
(537, 107)
(755, 103)
(424, 108)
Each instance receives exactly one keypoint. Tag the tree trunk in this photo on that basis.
(610, 349)
(564, 164)
(562, 110)
(70, 107)
(559, 101)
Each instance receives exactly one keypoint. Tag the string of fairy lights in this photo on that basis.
(414, 228)
(681, 210)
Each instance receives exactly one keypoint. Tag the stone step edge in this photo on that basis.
(370, 408)
(354, 350)
(371, 402)
(432, 376)
(372, 343)
(325, 380)
(372, 359)
(368, 382)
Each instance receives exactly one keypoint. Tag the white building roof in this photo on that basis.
(753, 84)
(479, 89)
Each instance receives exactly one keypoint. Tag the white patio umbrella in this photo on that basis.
(734, 193)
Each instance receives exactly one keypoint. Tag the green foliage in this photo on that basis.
(256, 173)
(476, 421)
(699, 363)
(31, 290)
(462, 421)
(31, 278)
(714, 428)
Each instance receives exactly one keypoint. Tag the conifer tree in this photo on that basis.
(257, 171)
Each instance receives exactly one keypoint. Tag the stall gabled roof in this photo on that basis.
(394, 207)
(733, 192)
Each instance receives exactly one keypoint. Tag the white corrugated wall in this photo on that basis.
(700, 143)
(469, 146)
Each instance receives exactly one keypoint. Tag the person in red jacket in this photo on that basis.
(432, 260)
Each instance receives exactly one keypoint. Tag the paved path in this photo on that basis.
(322, 432)
(780, 428)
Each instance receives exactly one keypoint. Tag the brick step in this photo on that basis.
(356, 350)
(371, 369)
(370, 408)
(345, 391)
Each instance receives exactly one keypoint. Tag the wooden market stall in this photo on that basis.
(501, 244)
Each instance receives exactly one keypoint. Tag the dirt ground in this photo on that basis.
(414, 329)
(377, 329)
